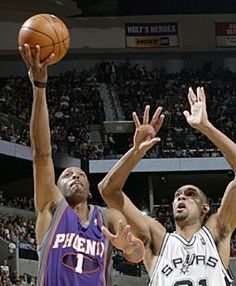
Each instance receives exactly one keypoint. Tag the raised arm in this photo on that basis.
(45, 189)
(111, 186)
(223, 223)
(198, 119)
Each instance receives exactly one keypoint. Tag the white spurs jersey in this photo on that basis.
(189, 263)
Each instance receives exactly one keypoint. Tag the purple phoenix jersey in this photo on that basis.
(75, 254)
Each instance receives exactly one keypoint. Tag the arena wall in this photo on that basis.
(96, 39)
(103, 166)
(196, 33)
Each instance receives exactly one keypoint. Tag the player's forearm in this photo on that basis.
(39, 123)
(117, 176)
(220, 140)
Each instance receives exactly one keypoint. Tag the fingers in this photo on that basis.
(136, 120)
(202, 96)
(191, 97)
(37, 53)
(186, 114)
(107, 233)
(159, 123)
(122, 236)
(120, 226)
(28, 55)
(32, 58)
(123, 229)
(24, 54)
(157, 119)
(156, 116)
(129, 238)
(153, 142)
(47, 61)
(146, 114)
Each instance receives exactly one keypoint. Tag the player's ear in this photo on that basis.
(205, 209)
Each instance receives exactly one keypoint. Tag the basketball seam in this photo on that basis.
(55, 31)
(55, 44)
(40, 32)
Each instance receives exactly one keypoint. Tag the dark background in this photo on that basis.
(18, 11)
(16, 180)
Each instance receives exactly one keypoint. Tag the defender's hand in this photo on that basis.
(197, 117)
(132, 247)
(144, 137)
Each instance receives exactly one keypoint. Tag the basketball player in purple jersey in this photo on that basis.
(194, 255)
(72, 248)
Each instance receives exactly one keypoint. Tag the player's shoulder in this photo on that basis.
(99, 208)
(215, 227)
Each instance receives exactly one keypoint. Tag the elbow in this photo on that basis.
(232, 163)
(39, 154)
(100, 188)
(103, 188)
(105, 193)
(107, 189)
(41, 147)
(232, 184)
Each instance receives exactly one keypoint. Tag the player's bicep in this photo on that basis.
(113, 216)
(226, 214)
(223, 222)
(45, 189)
(157, 233)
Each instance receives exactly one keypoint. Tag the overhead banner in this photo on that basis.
(151, 35)
(225, 34)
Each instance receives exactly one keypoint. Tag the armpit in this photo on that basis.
(52, 207)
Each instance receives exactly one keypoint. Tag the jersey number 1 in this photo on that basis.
(79, 265)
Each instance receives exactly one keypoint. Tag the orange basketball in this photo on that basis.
(47, 31)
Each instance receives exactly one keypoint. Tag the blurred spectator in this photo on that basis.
(233, 245)
(74, 103)
(4, 268)
(22, 280)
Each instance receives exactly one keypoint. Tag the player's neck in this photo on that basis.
(82, 211)
(187, 231)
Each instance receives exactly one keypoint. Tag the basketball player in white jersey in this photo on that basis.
(194, 255)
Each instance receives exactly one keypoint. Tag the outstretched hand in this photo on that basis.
(37, 70)
(197, 117)
(145, 133)
(123, 239)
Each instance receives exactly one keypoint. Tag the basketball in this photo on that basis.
(47, 31)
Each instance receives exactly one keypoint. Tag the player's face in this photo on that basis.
(74, 185)
(187, 205)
